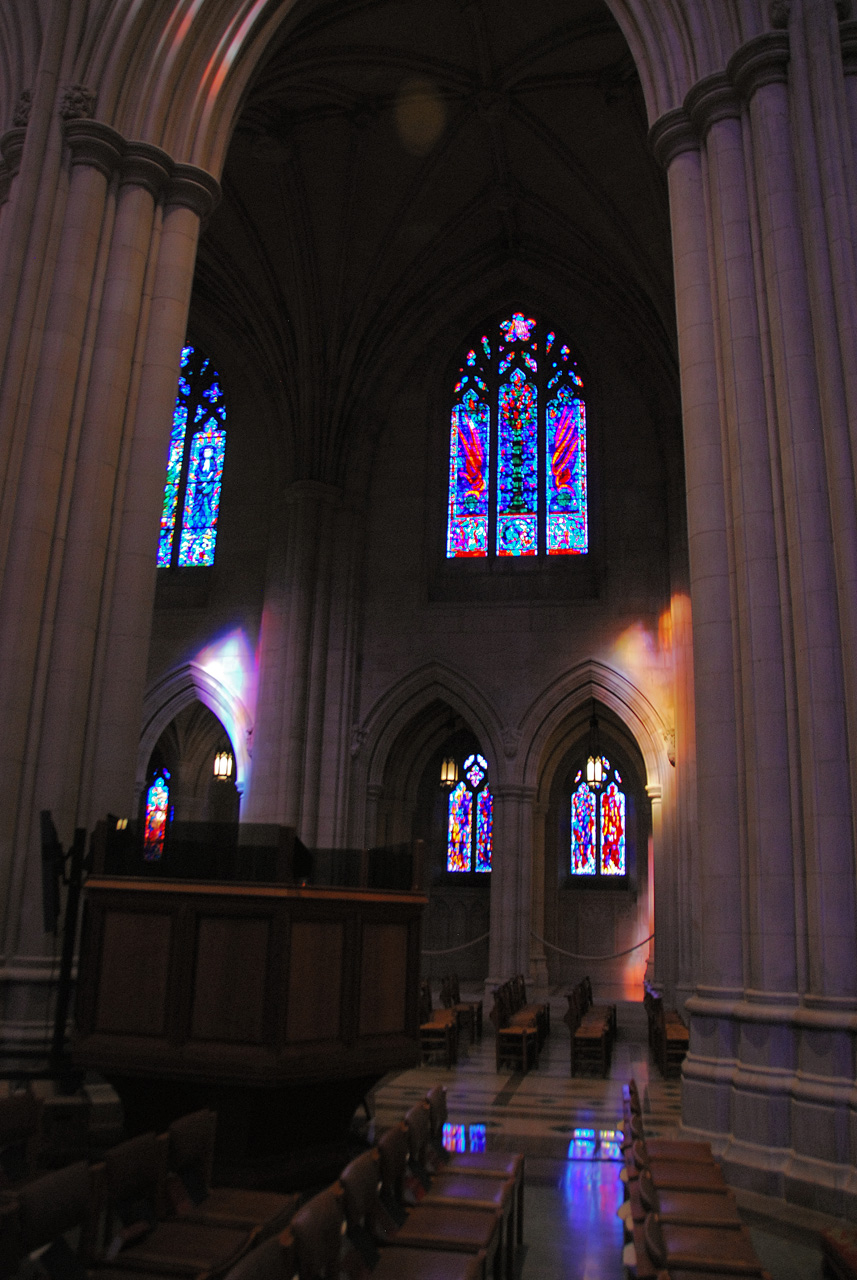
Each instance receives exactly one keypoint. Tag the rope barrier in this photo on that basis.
(447, 951)
(574, 956)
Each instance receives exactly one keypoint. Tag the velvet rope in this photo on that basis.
(574, 956)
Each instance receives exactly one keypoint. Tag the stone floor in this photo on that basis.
(564, 1126)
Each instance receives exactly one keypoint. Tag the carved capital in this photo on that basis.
(511, 742)
(147, 166)
(77, 102)
(669, 743)
(193, 189)
(671, 135)
(763, 60)
(95, 144)
(21, 114)
(710, 101)
(848, 37)
(11, 147)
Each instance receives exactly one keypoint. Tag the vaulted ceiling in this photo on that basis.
(402, 168)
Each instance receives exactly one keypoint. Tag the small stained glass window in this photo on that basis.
(157, 816)
(470, 812)
(598, 827)
(194, 466)
(517, 400)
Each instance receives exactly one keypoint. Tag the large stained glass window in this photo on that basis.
(157, 816)
(518, 399)
(194, 466)
(598, 824)
(469, 831)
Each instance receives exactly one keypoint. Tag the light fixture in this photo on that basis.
(595, 763)
(448, 772)
(223, 765)
(121, 824)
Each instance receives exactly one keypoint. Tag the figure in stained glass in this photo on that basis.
(194, 466)
(517, 457)
(157, 816)
(598, 829)
(469, 842)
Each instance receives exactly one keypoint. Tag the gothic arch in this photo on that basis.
(178, 80)
(177, 690)
(570, 695)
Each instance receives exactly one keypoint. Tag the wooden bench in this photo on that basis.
(520, 1027)
(592, 1028)
(468, 1013)
(669, 1038)
(438, 1028)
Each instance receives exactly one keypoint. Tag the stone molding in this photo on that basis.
(761, 61)
(95, 144)
(672, 135)
(710, 101)
(140, 164)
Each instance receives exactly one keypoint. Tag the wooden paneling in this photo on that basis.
(383, 979)
(231, 965)
(237, 984)
(133, 981)
(315, 981)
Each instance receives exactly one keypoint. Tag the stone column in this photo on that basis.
(511, 884)
(126, 620)
(293, 652)
(763, 725)
(538, 966)
(719, 978)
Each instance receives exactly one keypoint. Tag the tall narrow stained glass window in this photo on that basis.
(469, 831)
(157, 815)
(518, 399)
(194, 466)
(598, 824)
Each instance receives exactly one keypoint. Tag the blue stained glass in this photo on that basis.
(475, 768)
(467, 528)
(157, 816)
(583, 832)
(517, 498)
(202, 498)
(486, 346)
(566, 475)
(194, 466)
(459, 829)
(484, 805)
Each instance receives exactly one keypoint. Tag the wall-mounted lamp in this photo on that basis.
(223, 763)
(448, 773)
(121, 824)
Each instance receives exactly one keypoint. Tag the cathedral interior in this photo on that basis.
(496, 359)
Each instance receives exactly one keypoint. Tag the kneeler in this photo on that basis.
(674, 1246)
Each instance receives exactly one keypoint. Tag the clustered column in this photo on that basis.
(86, 477)
(759, 217)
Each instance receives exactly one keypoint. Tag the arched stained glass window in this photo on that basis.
(194, 466)
(469, 832)
(598, 824)
(519, 399)
(157, 815)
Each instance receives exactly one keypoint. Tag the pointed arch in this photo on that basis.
(177, 690)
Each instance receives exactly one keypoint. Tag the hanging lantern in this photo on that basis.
(448, 773)
(595, 764)
(223, 765)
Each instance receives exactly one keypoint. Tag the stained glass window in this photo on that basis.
(518, 398)
(194, 466)
(469, 830)
(157, 816)
(598, 826)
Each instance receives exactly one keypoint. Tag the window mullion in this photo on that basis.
(194, 402)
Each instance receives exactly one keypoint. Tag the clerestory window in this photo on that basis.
(194, 466)
(517, 454)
